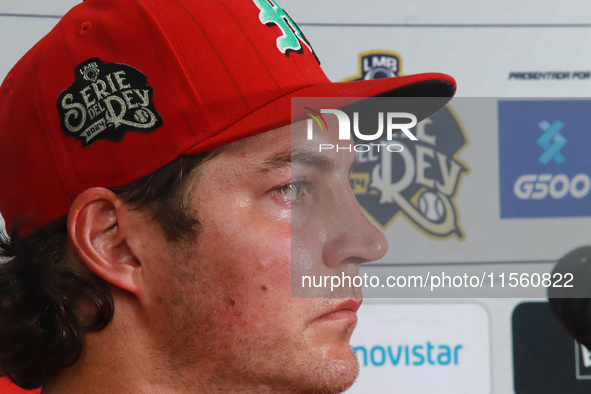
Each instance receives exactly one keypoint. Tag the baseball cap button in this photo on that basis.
(84, 28)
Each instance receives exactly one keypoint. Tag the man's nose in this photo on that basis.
(352, 238)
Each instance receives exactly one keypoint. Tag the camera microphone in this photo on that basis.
(571, 302)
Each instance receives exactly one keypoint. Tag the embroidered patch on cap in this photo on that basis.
(292, 37)
(105, 102)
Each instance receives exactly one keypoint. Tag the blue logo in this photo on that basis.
(547, 175)
(552, 142)
(409, 355)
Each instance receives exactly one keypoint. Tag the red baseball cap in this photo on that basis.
(119, 88)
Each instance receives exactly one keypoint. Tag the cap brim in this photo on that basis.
(277, 113)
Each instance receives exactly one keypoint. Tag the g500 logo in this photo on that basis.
(538, 187)
(557, 186)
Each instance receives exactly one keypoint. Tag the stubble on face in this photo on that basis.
(228, 318)
(241, 351)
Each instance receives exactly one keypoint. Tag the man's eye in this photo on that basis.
(294, 190)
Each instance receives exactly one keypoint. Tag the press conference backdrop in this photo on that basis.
(519, 198)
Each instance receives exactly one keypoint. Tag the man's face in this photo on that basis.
(226, 296)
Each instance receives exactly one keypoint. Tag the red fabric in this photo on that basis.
(216, 73)
(6, 387)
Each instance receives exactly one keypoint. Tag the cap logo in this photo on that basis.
(292, 38)
(105, 101)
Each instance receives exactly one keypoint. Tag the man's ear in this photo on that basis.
(99, 225)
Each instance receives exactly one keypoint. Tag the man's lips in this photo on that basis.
(346, 310)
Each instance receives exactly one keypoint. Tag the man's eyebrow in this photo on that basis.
(311, 159)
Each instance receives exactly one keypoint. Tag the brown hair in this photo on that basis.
(40, 331)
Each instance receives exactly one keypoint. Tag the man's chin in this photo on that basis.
(339, 371)
(350, 371)
(320, 372)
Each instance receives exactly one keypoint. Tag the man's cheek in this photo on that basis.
(307, 246)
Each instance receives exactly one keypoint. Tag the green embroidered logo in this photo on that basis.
(292, 38)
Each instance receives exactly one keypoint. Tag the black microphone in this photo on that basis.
(569, 293)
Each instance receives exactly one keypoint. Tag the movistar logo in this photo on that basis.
(552, 142)
(421, 354)
(292, 37)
